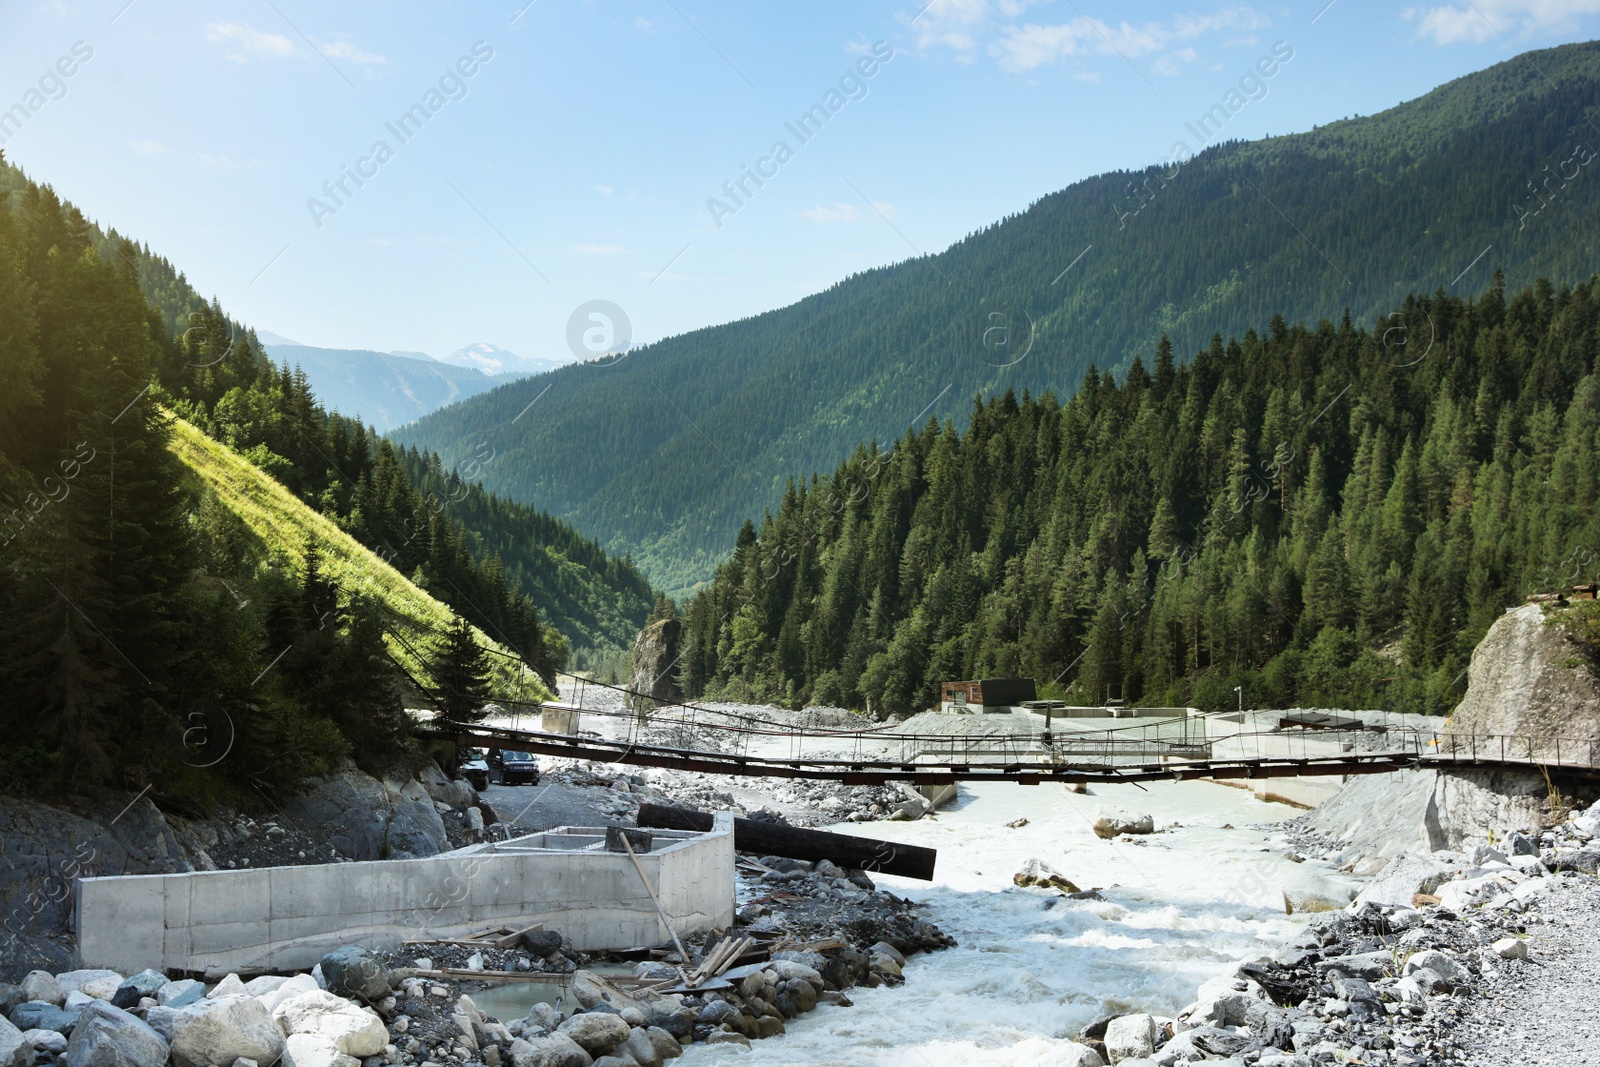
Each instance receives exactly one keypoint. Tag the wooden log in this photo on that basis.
(776, 839)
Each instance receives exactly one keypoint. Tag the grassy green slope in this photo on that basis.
(281, 523)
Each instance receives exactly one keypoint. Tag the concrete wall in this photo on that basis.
(289, 917)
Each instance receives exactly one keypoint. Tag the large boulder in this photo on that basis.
(365, 819)
(314, 1050)
(553, 1050)
(353, 971)
(1109, 822)
(655, 651)
(214, 1033)
(597, 1031)
(42, 985)
(1529, 678)
(349, 1028)
(1130, 1037)
(107, 1036)
(1406, 876)
(39, 1015)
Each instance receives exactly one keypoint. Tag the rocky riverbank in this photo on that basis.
(1414, 972)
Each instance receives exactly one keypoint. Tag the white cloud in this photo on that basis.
(242, 41)
(1490, 20)
(348, 51)
(600, 250)
(643, 25)
(222, 162)
(147, 148)
(606, 190)
(969, 28)
(840, 212)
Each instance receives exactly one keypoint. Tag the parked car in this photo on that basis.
(514, 768)
(475, 769)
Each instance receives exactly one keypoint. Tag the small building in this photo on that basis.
(558, 718)
(986, 696)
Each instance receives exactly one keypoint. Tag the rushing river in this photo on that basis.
(1181, 906)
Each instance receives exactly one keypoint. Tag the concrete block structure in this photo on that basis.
(288, 917)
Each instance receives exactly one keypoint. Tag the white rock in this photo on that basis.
(1218, 1009)
(230, 986)
(77, 1000)
(1510, 948)
(1405, 877)
(1109, 822)
(1484, 854)
(215, 1032)
(1130, 1036)
(597, 1032)
(45, 1041)
(554, 1050)
(99, 984)
(257, 987)
(1073, 1055)
(314, 1050)
(42, 985)
(184, 989)
(349, 1028)
(300, 983)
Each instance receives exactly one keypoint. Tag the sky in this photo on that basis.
(577, 175)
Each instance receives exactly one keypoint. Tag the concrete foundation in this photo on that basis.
(289, 917)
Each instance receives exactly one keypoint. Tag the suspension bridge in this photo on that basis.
(934, 749)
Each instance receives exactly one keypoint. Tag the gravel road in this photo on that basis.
(1542, 1011)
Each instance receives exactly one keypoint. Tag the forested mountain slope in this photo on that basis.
(664, 452)
(1326, 516)
(502, 576)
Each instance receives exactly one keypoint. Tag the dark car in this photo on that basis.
(514, 768)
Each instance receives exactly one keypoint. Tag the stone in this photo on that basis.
(1485, 854)
(1108, 822)
(597, 1032)
(267, 983)
(1510, 948)
(230, 986)
(349, 1028)
(110, 1037)
(722, 1037)
(1447, 969)
(42, 986)
(77, 1001)
(878, 963)
(1406, 876)
(1199, 1043)
(882, 948)
(541, 942)
(43, 1041)
(365, 819)
(1077, 1055)
(99, 984)
(1227, 1008)
(314, 1050)
(39, 1015)
(667, 1046)
(1039, 874)
(179, 993)
(215, 1032)
(352, 971)
(543, 1016)
(1521, 845)
(15, 1049)
(553, 1050)
(300, 983)
(137, 987)
(1130, 1036)
(640, 1048)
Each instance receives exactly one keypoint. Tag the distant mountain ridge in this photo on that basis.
(492, 359)
(704, 429)
(385, 389)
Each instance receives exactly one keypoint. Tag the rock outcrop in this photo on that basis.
(1529, 678)
(372, 820)
(655, 657)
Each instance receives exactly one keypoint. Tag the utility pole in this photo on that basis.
(1240, 690)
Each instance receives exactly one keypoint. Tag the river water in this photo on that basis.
(1181, 906)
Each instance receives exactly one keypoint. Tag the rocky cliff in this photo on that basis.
(655, 658)
(1529, 678)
